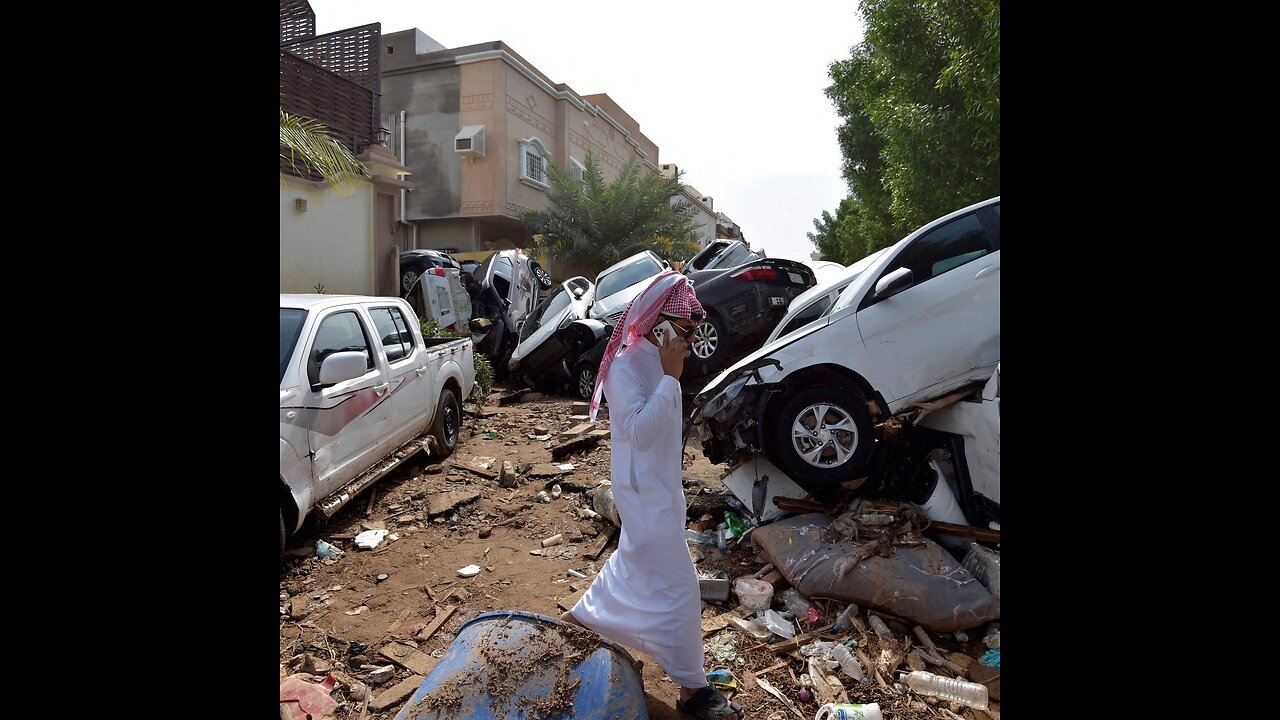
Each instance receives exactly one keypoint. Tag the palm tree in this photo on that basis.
(307, 140)
(594, 224)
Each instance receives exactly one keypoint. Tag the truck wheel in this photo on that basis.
(822, 435)
(448, 420)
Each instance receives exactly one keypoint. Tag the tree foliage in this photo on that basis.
(307, 141)
(593, 223)
(920, 99)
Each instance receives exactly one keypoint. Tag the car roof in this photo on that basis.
(312, 301)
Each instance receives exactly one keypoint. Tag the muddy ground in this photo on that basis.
(336, 615)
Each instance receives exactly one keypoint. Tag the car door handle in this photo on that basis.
(988, 270)
(379, 389)
(421, 371)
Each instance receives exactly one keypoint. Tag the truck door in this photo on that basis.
(345, 419)
(409, 396)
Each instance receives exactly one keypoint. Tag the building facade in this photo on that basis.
(478, 125)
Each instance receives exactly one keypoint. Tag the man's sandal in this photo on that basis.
(709, 703)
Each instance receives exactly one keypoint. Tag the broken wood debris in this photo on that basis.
(602, 542)
(397, 693)
(513, 397)
(442, 616)
(579, 443)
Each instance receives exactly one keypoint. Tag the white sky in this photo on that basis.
(731, 92)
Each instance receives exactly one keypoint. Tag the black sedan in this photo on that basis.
(744, 295)
(415, 262)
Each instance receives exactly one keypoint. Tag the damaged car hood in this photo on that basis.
(736, 369)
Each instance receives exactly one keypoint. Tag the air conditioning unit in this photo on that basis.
(469, 142)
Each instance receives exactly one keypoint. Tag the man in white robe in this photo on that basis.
(646, 596)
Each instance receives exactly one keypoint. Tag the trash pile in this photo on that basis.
(855, 608)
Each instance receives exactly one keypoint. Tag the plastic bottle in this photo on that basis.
(794, 602)
(964, 692)
(735, 523)
(848, 711)
(878, 625)
(843, 621)
(848, 663)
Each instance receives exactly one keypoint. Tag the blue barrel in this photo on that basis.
(509, 664)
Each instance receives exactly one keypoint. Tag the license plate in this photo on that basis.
(777, 301)
(795, 278)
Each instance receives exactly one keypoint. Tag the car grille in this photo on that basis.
(613, 319)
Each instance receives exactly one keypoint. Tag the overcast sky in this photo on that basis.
(733, 96)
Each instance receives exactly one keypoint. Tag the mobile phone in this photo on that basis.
(664, 330)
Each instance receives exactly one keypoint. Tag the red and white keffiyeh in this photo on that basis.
(669, 294)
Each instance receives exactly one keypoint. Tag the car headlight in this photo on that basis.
(726, 396)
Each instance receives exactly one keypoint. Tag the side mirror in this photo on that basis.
(893, 283)
(342, 366)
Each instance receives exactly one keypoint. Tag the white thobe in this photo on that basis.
(646, 596)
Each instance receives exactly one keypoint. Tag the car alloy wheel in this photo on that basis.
(408, 279)
(705, 340)
(824, 435)
(586, 381)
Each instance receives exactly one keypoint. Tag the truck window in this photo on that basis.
(338, 333)
(291, 320)
(394, 332)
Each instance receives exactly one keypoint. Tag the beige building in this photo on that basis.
(477, 126)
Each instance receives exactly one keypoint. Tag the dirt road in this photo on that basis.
(337, 614)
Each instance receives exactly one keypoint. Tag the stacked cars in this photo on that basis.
(919, 321)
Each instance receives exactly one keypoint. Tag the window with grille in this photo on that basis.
(533, 163)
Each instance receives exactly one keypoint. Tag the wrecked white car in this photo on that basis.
(921, 321)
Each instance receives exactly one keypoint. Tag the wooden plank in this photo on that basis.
(567, 603)
(405, 656)
(398, 693)
(602, 542)
(776, 579)
(721, 621)
(442, 616)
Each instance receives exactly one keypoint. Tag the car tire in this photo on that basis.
(448, 423)
(584, 380)
(804, 445)
(544, 280)
(709, 344)
(407, 279)
(282, 540)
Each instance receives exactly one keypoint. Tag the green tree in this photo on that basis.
(307, 141)
(593, 223)
(920, 98)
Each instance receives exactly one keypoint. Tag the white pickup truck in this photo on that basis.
(358, 386)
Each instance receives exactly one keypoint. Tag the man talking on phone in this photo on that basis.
(646, 596)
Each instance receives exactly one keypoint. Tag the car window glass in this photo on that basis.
(397, 341)
(545, 312)
(944, 249)
(340, 332)
(627, 275)
(502, 274)
(815, 310)
(708, 254)
(738, 255)
(290, 326)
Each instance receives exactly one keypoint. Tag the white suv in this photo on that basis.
(922, 320)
